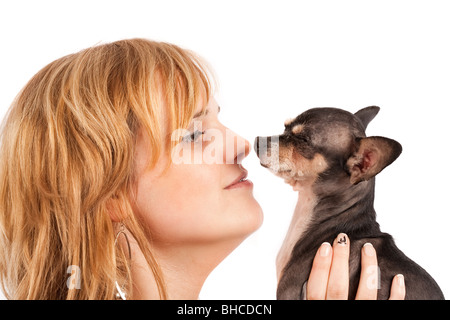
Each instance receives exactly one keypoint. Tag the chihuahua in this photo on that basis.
(325, 155)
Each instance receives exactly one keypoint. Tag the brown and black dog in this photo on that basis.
(325, 155)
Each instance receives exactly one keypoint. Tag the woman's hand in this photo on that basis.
(329, 277)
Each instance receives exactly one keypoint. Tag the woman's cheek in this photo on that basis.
(184, 205)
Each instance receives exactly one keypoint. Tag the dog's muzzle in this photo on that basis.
(267, 150)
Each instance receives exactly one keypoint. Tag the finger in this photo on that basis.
(398, 290)
(369, 279)
(338, 281)
(316, 287)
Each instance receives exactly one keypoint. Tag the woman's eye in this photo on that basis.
(193, 137)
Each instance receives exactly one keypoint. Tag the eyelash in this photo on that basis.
(193, 137)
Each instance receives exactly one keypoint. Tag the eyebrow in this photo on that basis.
(204, 112)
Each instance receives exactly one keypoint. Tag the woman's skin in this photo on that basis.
(196, 218)
(196, 215)
(329, 277)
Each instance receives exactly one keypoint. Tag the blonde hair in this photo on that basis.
(67, 146)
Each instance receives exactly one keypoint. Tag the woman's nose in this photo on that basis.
(237, 148)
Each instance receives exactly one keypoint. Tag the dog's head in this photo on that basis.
(327, 140)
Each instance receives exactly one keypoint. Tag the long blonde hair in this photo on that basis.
(67, 146)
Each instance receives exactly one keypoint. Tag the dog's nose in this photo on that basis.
(256, 144)
(262, 144)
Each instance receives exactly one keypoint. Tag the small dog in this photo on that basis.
(325, 155)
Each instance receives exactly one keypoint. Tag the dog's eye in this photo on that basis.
(302, 138)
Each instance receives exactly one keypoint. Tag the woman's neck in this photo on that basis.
(184, 268)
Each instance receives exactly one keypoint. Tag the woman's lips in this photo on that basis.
(240, 182)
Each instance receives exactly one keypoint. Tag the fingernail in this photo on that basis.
(369, 249)
(342, 239)
(325, 249)
(400, 280)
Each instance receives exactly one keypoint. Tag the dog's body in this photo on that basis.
(325, 155)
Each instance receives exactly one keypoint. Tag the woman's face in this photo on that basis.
(199, 198)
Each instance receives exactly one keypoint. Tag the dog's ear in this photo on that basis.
(373, 154)
(367, 114)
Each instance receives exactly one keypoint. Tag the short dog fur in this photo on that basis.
(325, 155)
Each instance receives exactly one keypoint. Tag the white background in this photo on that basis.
(274, 60)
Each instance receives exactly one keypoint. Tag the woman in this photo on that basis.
(117, 180)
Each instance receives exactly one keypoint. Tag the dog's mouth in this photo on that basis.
(285, 171)
(277, 169)
(264, 165)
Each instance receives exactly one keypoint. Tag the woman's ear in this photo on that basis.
(373, 155)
